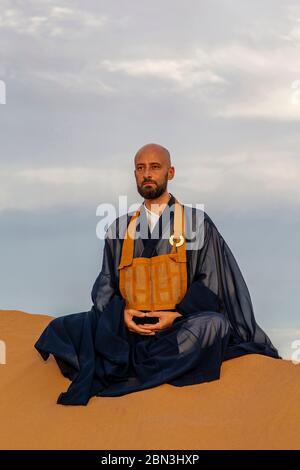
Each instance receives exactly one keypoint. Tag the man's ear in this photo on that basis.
(172, 173)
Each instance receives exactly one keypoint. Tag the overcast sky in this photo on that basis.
(89, 82)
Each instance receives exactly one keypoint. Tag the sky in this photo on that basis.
(83, 85)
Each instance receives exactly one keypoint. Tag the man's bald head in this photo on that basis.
(153, 170)
(155, 150)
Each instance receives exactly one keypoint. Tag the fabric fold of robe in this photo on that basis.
(101, 357)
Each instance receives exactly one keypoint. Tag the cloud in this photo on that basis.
(254, 180)
(185, 73)
(246, 81)
(271, 76)
(200, 90)
(38, 188)
(242, 181)
(49, 20)
(86, 81)
(279, 104)
(233, 77)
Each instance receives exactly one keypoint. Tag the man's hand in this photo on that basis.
(132, 326)
(166, 319)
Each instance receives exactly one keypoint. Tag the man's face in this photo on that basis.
(151, 174)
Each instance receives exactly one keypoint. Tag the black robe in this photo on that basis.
(102, 357)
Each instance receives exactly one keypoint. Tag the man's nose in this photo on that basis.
(147, 174)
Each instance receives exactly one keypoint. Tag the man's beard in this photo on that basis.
(152, 191)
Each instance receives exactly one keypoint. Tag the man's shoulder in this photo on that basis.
(197, 211)
(118, 227)
(197, 220)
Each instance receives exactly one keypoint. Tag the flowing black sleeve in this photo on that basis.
(105, 285)
(219, 286)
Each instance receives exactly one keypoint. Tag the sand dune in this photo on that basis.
(255, 404)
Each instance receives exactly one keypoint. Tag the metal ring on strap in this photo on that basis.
(181, 240)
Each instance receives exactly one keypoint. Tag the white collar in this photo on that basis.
(153, 214)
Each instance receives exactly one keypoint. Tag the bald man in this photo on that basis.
(164, 310)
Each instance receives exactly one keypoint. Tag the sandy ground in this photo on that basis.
(255, 404)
